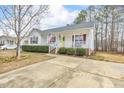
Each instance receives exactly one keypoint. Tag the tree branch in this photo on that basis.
(40, 11)
(26, 11)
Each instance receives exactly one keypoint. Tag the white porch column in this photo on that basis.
(47, 39)
(56, 43)
(74, 40)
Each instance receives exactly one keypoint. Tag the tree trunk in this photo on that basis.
(112, 34)
(118, 32)
(18, 35)
(122, 48)
(101, 36)
(106, 33)
(18, 49)
(117, 37)
(96, 44)
(90, 15)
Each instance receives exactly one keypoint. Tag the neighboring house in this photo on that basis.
(76, 36)
(7, 40)
(10, 41)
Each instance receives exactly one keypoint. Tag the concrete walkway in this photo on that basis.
(65, 71)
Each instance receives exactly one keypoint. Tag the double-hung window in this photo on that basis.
(79, 40)
(34, 40)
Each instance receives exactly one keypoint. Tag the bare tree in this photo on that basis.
(20, 19)
(106, 11)
(113, 19)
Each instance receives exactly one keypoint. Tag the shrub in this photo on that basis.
(70, 51)
(80, 51)
(62, 50)
(35, 48)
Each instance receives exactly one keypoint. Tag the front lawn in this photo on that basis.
(118, 58)
(9, 62)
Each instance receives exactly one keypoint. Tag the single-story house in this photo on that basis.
(70, 36)
(7, 40)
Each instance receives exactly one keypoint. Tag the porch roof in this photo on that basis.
(7, 37)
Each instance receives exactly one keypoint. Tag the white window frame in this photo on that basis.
(34, 40)
(78, 41)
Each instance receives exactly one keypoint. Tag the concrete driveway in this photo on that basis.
(65, 71)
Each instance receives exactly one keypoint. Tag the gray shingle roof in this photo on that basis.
(70, 27)
(11, 37)
(66, 28)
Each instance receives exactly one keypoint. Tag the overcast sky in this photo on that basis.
(60, 16)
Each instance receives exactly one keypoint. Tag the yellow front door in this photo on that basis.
(62, 41)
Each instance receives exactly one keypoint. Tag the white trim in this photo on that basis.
(58, 30)
(74, 41)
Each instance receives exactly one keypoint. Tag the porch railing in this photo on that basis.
(52, 49)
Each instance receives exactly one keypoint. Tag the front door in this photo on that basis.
(62, 40)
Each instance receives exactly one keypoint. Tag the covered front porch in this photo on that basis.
(79, 38)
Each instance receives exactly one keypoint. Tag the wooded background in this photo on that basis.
(109, 26)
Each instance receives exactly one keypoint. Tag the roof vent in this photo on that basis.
(67, 25)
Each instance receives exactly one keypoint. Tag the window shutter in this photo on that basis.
(36, 40)
(72, 37)
(31, 40)
(84, 38)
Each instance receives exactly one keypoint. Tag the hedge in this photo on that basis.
(70, 51)
(80, 51)
(35, 48)
(62, 50)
